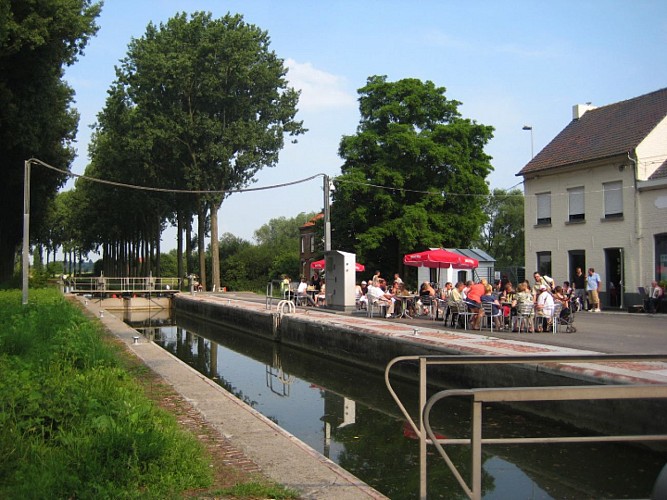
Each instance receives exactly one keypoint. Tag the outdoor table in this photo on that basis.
(404, 304)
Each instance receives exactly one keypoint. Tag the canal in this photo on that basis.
(347, 414)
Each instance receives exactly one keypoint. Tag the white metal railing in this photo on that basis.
(123, 285)
(509, 395)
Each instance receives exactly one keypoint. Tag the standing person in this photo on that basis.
(654, 295)
(397, 279)
(579, 287)
(542, 280)
(376, 279)
(593, 289)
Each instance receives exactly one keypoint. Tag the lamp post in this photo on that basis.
(532, 150)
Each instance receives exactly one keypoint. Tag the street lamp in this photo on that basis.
(532, 150)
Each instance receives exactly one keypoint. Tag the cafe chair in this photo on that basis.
(374, 304)
(524, 317)
(489, 316)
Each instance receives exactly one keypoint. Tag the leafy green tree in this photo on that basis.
(37, 39)
(502, 236)
(414, 175)
(212, 94)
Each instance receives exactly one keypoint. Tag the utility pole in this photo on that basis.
(327, 215)
(26, 230)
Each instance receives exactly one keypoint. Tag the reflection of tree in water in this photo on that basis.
(200, 360)
(377, 451)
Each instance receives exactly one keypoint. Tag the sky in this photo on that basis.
(510, 64)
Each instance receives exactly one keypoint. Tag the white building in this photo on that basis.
(596, 196)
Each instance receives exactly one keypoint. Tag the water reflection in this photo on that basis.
(346, 413)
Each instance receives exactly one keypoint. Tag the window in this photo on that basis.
(303, 244)
(576, 204)
(312, 243)
(661, 257)
(613, 199)
(543, 208)
(544, 263)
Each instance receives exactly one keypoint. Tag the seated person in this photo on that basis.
(427, 296)
(379, 295)
(506, 300)
(315, 281)
(360, 296)
(321, 298)
(495, 305)
(474, 301)
(302, 292)
(545, 308)
(523, 297)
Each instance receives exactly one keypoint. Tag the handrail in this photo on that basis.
(511, 394)
(120, 285)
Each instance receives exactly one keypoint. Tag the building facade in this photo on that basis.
(596, 196)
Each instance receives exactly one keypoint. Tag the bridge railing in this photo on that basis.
(123, 285)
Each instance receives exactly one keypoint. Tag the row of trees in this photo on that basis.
(37, 41)
(200, 105)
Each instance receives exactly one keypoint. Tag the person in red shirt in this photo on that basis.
(474, 301)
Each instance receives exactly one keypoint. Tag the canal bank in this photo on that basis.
(277, 453)
(372, 343)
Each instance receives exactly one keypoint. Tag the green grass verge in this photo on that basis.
(73, 422)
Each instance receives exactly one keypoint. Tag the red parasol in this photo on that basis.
(320, 265)
(440, 258)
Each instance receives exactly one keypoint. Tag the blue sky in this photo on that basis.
(510, 63)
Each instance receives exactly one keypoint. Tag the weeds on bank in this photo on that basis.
(73, 423)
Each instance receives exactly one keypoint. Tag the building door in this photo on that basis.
(576, 258)
(613, 258)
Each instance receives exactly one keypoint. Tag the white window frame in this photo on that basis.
(613, 199)
(543, 201)
(576, 204)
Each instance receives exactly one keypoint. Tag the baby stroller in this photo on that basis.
(567, 320)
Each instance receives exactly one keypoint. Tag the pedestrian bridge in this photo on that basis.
(123, 286)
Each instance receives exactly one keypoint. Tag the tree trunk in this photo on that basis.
(188, 244)
(201, 243)
(215, 247)
(179, 244)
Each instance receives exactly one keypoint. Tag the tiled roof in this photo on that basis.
(602, 132)
(661, 173)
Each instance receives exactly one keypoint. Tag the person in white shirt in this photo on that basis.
(302, 292)
(378, 295)
(545, 308)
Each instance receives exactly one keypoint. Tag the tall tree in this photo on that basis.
(212, 93)
(414, 175)
(37, 39)
(502, 236)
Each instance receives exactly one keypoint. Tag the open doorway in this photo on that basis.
(613, 258)
(576, 258)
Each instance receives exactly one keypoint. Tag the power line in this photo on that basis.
(165, 190)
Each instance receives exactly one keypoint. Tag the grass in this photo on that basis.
(77, 419)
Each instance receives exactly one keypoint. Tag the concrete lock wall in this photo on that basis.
(373, 351)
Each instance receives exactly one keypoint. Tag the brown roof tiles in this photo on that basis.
(602, 132)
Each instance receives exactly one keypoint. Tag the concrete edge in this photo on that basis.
(280, 455)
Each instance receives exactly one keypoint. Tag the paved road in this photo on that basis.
(612, 332)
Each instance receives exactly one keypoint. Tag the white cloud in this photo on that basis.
(319, 89)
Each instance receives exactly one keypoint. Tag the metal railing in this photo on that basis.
(127, 285)
(511, 395)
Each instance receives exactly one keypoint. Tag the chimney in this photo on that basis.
(578, 110)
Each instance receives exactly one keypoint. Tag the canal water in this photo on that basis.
(347, 414)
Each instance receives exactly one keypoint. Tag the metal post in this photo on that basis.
(327, 216)
(26, 230)
(476, 445)
(422, 431)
